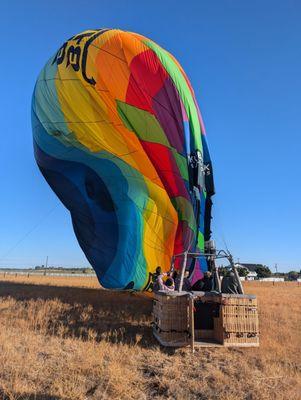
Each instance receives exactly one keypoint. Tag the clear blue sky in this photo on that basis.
(244, 61)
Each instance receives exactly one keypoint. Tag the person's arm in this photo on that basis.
(160, 282)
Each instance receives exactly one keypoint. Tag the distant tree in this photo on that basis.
(242, 271)
(293, 275)
(86, 270)
(223, 271)
(263, 271)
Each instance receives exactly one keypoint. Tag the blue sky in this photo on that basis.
(244, 61)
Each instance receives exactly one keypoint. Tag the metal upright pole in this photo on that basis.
(191, 322)
(183, 271)
(172, 264)
(217, 279)
(241, 289)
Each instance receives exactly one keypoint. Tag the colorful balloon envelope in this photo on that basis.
(119, 138)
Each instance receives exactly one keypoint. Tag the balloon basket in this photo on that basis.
(205, 319)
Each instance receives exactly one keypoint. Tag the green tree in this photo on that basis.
(263, 271)
(293, 275)
(222, 271)
(242, 271)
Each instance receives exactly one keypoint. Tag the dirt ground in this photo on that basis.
(65, 338)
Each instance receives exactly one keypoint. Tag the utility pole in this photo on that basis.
(46, 264)
(276, 268)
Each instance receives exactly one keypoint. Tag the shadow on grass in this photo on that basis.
(117, 317)
(29, 396)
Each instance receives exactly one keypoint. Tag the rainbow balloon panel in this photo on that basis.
(119, 138)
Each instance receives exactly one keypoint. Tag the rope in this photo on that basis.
(33, 228)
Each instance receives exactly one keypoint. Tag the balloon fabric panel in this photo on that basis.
(119, 138)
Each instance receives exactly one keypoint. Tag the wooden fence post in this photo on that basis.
(191, 322)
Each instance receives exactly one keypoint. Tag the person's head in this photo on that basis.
(186, 273)
(207, 274)
(158, 270)
(169, 282)
(175, 274)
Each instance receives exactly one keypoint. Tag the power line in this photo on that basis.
(19, 241)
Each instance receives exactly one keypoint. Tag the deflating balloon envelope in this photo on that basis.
(119, 138)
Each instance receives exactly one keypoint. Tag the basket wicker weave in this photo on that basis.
(238, 322)
(170, 318)
(235, 324)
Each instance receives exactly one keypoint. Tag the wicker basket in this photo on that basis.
(239, 300)
(170, 318)
(235, 323)
(241, 339)
(171, 338)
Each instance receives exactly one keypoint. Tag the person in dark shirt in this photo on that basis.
(229, 284)
(186, 282)
(155, 277)
(205, 284)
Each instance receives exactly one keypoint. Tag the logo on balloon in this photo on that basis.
(74, 53)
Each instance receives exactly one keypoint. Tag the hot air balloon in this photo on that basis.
(119, 138)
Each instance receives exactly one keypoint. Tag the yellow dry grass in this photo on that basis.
(64, 338)
(48, 280)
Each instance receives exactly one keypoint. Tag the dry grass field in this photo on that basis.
(65, 338)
